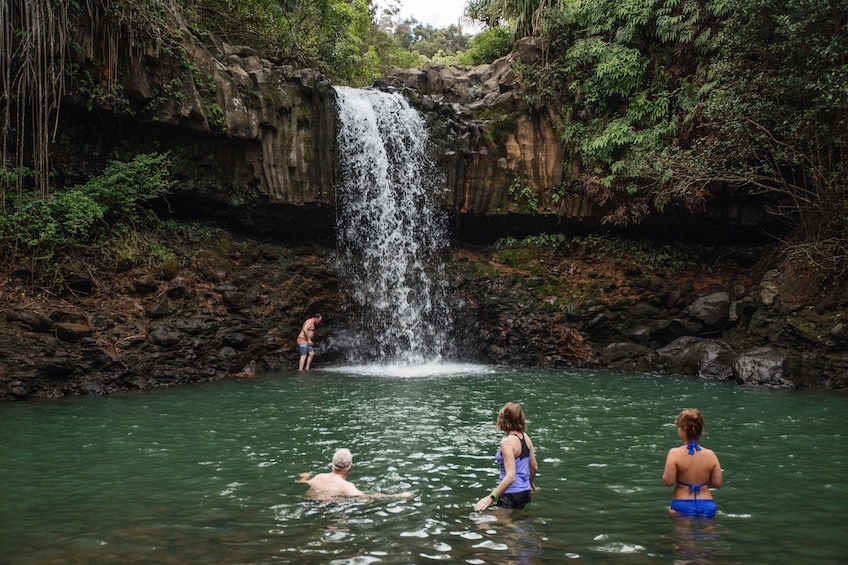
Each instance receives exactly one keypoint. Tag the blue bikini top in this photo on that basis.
(693, 446)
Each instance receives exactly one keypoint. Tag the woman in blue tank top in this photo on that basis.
(517, 462)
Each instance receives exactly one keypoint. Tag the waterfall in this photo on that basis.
(390, 230)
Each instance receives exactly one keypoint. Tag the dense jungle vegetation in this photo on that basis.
(667, 102)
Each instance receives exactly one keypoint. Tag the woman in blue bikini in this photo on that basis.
(692, 470)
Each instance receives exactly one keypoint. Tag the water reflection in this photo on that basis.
(509, 533)
(698, 541)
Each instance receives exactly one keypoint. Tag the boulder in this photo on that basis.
(704, 358)
(711, 310)
(31, 320)
(763, 367)
(72, 333)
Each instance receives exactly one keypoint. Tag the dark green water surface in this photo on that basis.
(207, 474)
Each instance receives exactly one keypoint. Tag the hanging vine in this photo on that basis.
(36, 49)
(34, 53)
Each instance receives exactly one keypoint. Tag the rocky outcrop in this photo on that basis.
(689, 355)
(254, 142)
(498, 146)
(229, 310)
(763, 366)
(757, 327)
(232, 308)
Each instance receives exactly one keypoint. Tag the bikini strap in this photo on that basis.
(693, 446)
(693, 488)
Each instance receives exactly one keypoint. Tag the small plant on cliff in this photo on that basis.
(648, 255)
(522, 196)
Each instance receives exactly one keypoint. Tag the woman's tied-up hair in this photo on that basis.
(691, 422)
(511, 418)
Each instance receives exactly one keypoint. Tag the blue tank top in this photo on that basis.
(522, 468)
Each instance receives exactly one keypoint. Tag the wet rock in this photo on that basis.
(158, 310)
(101, 322)
(712, 310)
(145, 285)
(56, 367)
(237, 340)
(623, 355)
(768, 288)
(641, 334)
(596, 325)
(90, 387)
(705, 358)
(164, 337)
(79, 282)
(73, 333)
(643, 311)
(763, 367)
(234, 300)
(176, 292)
(666, 330)
(31, 320)
(17, 390)
(60, 316)
(190, 326)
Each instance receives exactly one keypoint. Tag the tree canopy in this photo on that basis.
(666, 102)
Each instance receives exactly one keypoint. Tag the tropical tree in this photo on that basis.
(428, 41)
(523, 16)
(487, 46)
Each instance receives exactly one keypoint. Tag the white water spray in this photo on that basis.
(390, 229)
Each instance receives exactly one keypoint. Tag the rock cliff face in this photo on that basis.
(256, 143)
(499, 150)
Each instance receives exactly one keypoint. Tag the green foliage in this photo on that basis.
(105, 207)
(645, 254)
(430, 42)
(627, 75)
(336, 37)
(487, 46)
(543, 240)
(776, 120)
(522, 196)
(523, 16)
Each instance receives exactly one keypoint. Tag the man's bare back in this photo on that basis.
(334, 484)
(329, 485)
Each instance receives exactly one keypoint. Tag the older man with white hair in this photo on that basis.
(335, 484)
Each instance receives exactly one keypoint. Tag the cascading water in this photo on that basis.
(390, 230)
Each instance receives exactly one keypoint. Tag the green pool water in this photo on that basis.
(207, 474)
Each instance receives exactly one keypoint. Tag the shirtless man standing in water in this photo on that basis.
(304, 342)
